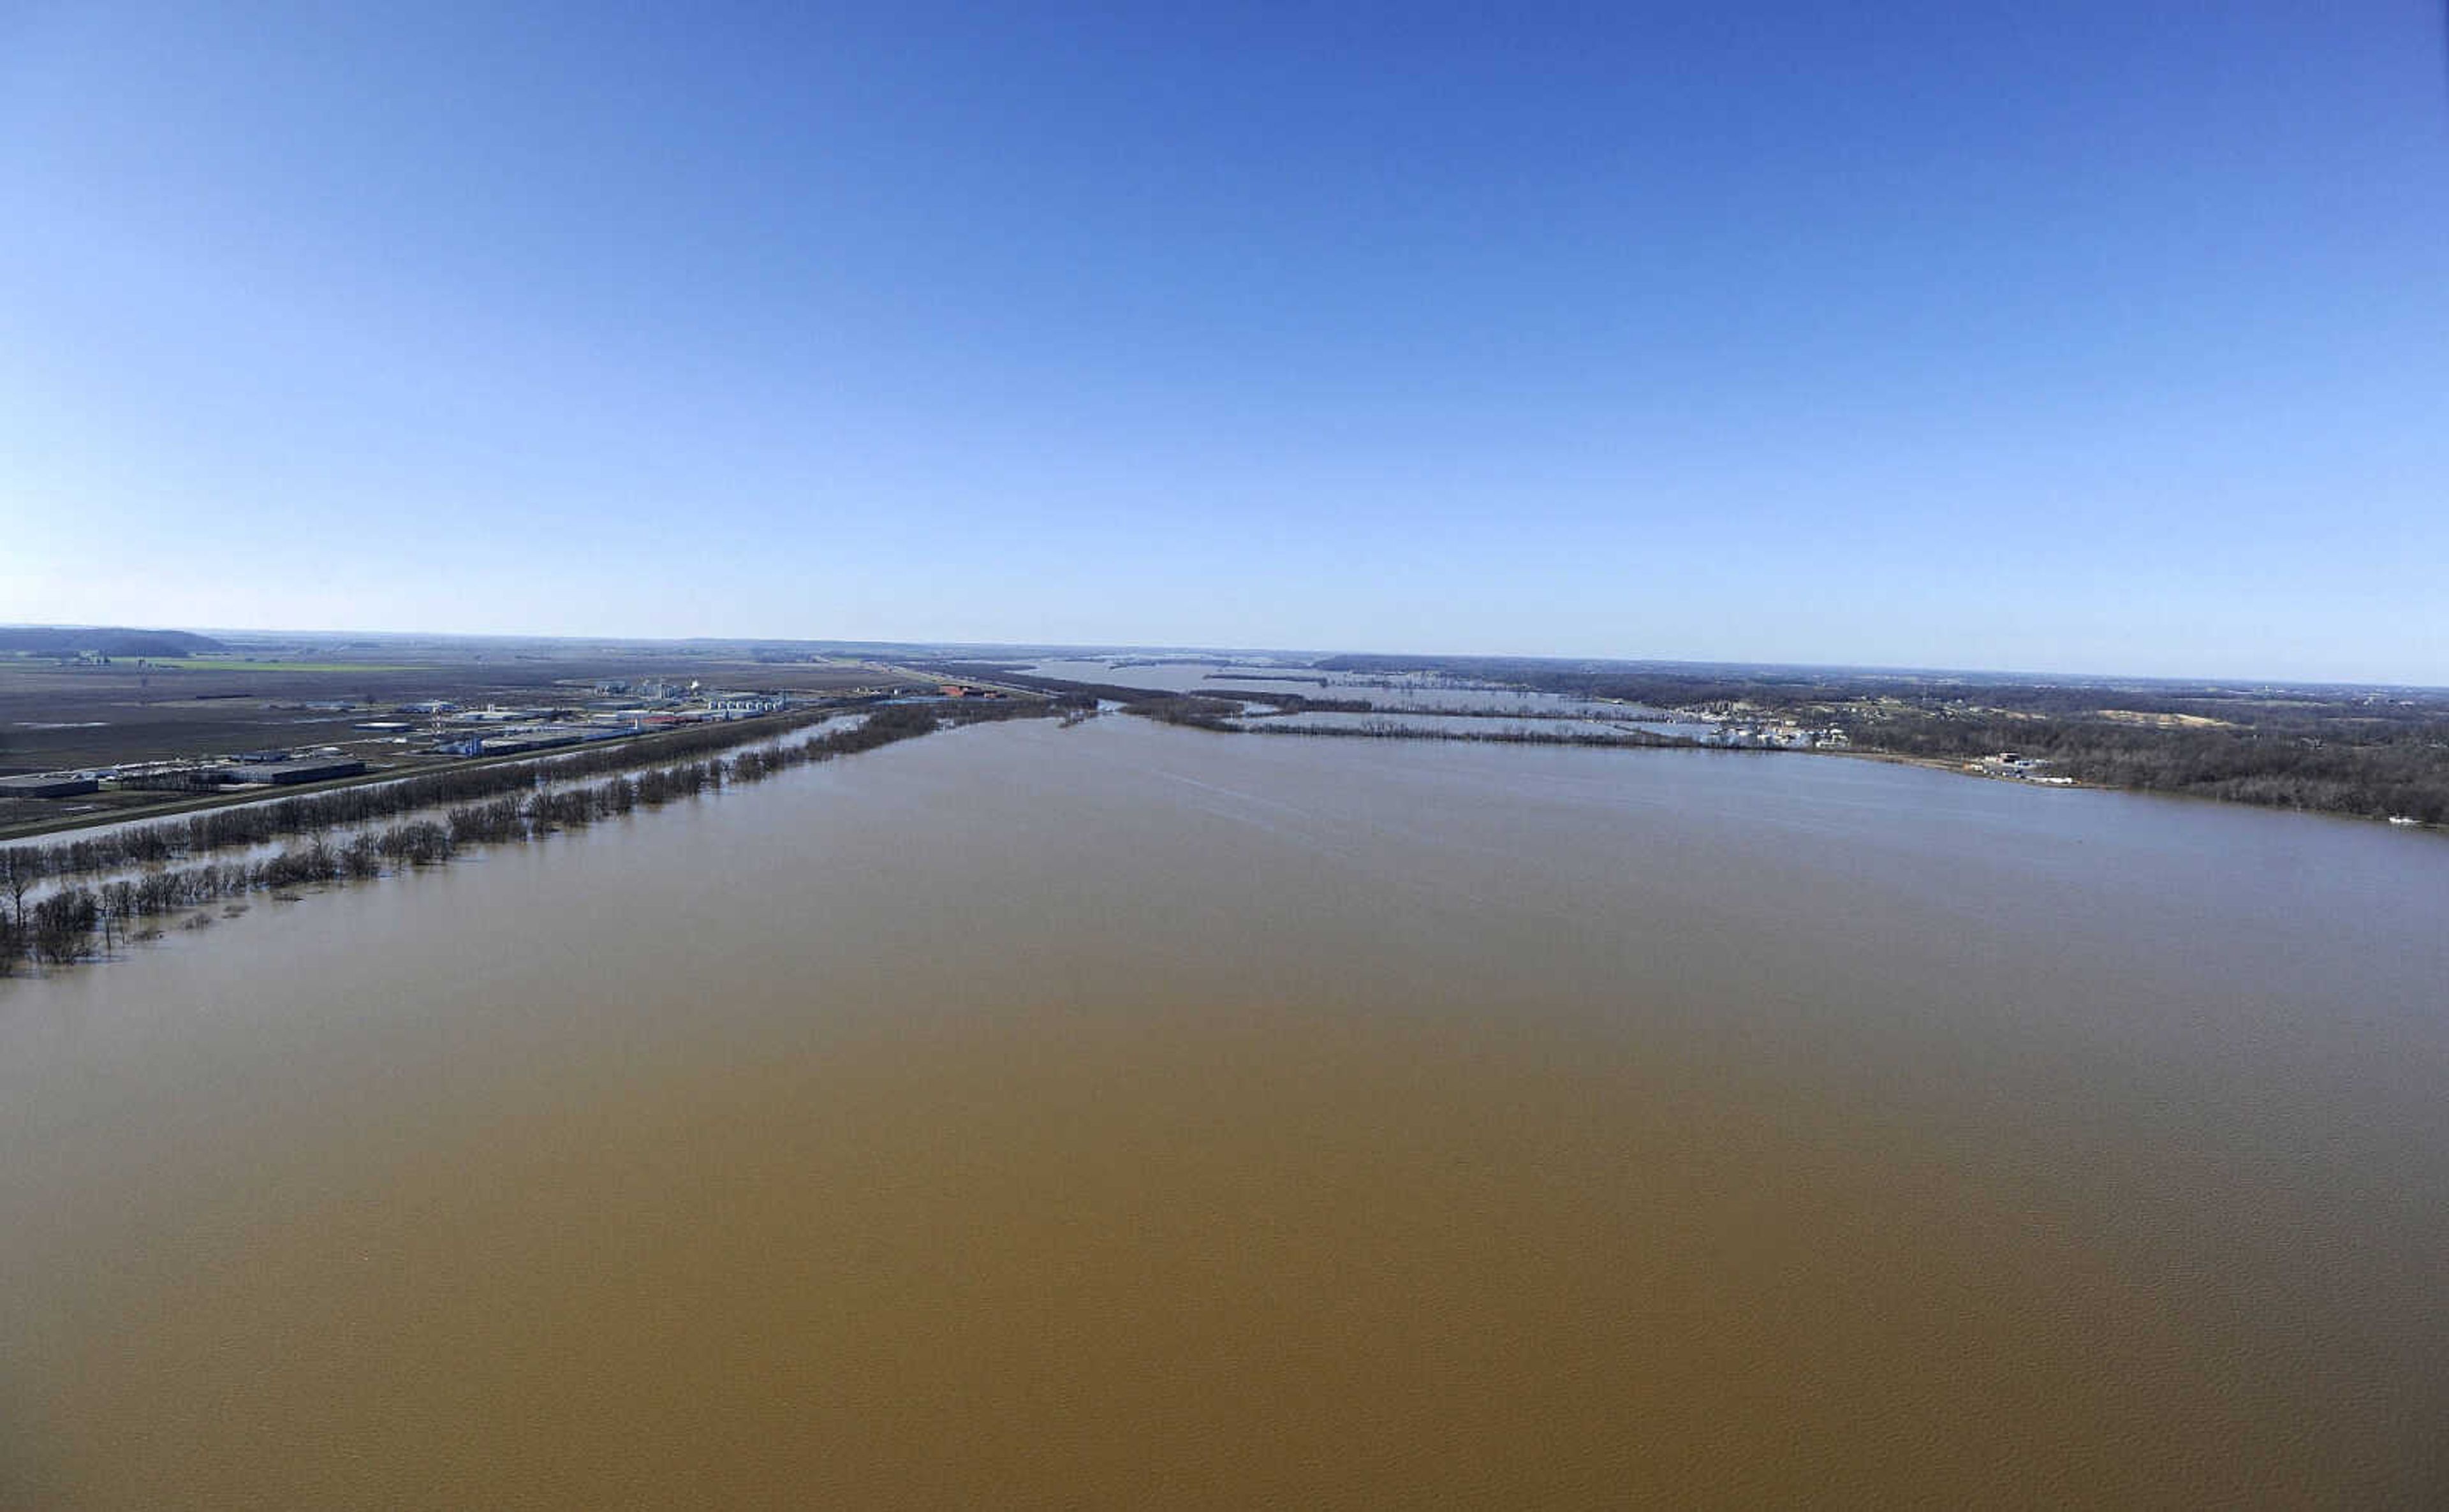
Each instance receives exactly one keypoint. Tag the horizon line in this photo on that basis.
(1183, 648)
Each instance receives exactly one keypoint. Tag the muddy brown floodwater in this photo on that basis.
(1135, 1116)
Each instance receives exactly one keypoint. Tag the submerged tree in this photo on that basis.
(64, 924)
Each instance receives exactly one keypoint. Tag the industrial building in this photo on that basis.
(47, 785)
(282, 774)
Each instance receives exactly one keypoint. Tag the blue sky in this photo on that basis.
(2076, 337)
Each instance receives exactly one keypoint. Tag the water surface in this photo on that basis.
(1132, 1115)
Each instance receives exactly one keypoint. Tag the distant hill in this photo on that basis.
(54, 640)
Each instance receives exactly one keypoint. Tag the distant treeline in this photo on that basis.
(2394, 770)
(61, 926)
(2367, 752)
(110, 640)
(2355, 753)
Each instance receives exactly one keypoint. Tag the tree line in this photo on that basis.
(262, 823)
(65, 924)
(2367, 752)
(2372, 774)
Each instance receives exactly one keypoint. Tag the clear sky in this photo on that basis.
(2050, 337)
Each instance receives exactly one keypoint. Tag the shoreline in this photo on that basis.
(54, 911)
(1953, 766)
(752, 729)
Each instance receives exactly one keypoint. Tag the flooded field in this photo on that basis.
(1423, 690)
(1127, 1115)
(1474, 726)
(1414, 704)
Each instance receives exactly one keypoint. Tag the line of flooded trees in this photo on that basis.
(70, 923)
(262, 823)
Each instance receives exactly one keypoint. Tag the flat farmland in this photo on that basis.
(55, 716)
